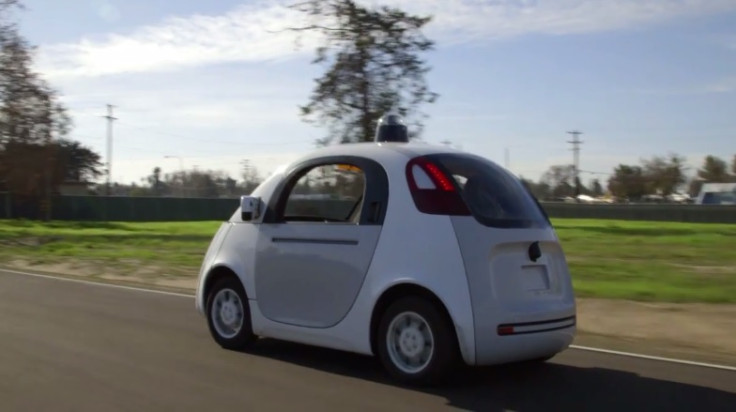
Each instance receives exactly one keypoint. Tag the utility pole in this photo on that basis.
(576, 142)
(506, 157)
(110, 119)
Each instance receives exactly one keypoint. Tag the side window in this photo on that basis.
(327, 193)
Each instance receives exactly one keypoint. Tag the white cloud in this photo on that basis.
(241, 35)
(210, 117)
(246, 33)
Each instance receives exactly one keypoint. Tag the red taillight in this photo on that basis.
(505, 330)
(439, 178)
(441, 199)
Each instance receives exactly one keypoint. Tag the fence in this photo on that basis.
(103, 208)
(653, 212)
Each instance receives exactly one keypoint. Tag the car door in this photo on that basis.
(317, 239)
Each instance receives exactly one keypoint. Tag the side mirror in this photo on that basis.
(250, 208)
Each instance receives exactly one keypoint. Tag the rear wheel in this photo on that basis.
(228, 314)
(416, 342)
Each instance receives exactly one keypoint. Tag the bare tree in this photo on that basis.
(373, 67)
(250, 175)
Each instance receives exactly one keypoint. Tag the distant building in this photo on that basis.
(717, 194)
(73, 188)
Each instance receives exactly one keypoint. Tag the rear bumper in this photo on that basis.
(512, 336)
(527, 328)
(525, 343)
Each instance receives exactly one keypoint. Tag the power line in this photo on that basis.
(576, 142)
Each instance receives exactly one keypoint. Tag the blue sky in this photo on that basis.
(207, 83)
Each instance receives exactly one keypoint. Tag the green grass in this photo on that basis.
(653, 261)
(179, 246)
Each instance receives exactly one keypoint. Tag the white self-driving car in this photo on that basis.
(422, 255)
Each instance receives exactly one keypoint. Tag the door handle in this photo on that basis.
(321, 241)
(375, 212)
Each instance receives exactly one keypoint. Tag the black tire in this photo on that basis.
(244, 336)
(445, 354)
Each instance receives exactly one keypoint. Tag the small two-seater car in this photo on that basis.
(424, 256)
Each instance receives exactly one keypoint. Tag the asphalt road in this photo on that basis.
(67, 346)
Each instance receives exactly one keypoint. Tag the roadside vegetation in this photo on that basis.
(649, 261)
(657, 261)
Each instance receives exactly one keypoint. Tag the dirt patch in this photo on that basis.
(124, 272)
(708, 330)
(725, 270)
(67, 268)
(704, 332)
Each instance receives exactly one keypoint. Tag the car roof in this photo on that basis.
(379, 151)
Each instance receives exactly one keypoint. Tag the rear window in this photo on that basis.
(494, 196)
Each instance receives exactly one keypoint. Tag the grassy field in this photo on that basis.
(660, 261)
(180, 245)
(653, 261)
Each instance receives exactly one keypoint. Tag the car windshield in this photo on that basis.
(494, 196)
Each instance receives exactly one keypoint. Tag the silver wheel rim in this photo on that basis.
(410, 342)
(227, 313)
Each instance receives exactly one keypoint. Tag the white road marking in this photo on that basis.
(90, 282)
(655, 358)
(184, 295)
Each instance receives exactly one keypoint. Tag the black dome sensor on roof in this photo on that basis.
(391, 129)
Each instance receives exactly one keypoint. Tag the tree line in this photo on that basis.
(37, 154)
(659, 176)
(218, 184)
(192, 183)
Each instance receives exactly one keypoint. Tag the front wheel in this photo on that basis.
(416, 342)
(228, 314)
